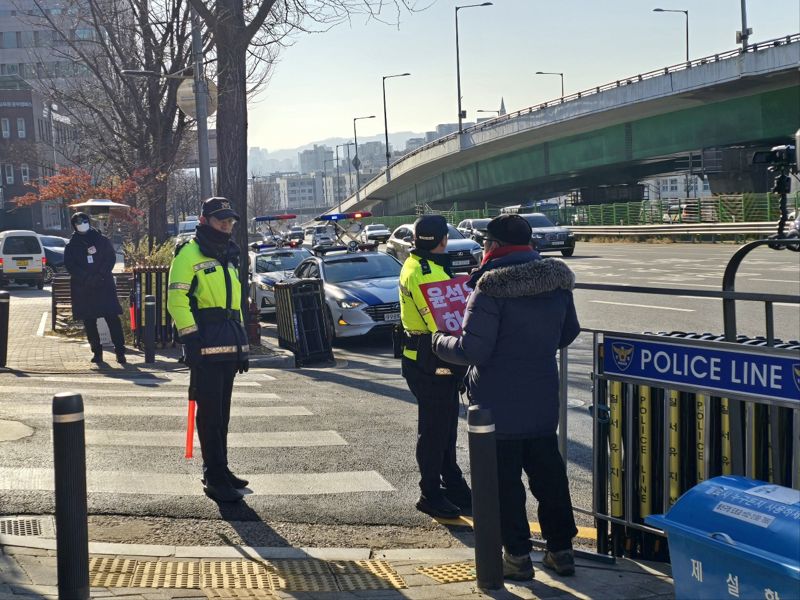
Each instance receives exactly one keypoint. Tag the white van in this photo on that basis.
(22, 258)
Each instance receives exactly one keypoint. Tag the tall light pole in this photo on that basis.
(496, 112)
(685, 14)
(385, 121)
(458, 64)
(200, 99)
(743, 35)
(554, 73)
(357, 162)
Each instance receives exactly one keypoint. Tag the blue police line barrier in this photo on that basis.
(72, 533)
(663, 424)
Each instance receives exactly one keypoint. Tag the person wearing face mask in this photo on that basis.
(204, 299)
(89, 258)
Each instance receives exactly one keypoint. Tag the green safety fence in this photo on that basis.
(745, 208)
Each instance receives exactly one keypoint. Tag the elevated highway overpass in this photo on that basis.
(618, 133)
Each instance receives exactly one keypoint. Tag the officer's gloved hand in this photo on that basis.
(244, 366)
(192, 351)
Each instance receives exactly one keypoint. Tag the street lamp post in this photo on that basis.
(743, 35)
(458, 64)
(200, 99)
(356, 160)
(554, 73)
(385, 121)
(685, 14)
(481, 110)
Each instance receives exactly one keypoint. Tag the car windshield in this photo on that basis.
(360, 266)
(375, 226)
(538, 221)
(453, 233)
(22, 244)
(297, 229)
(187, 226)
(52, 241)
(280, 261)
(480, 224)
(321, 230)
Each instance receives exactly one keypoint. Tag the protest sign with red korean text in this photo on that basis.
(447, 301)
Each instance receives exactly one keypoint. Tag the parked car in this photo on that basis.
(54, 253)
(549, 237)
(375, 232)
(296, 233)
(268, 267)
(465, 254)
(361, 289)
(321, 236)
(186, 229)
(475, 229)
(22, 258)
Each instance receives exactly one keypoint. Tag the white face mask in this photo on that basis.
(82, 227)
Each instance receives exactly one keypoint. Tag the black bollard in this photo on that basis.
(485, 499)
(72, 533)
(149, 329)
(4, 310)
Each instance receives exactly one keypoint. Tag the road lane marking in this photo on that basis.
(132, 393)
(778, 280)
(42, 323)
(176, 484)
(140, 381)
(691, 283)
(642, 305)
(164, 411)
(259, 439)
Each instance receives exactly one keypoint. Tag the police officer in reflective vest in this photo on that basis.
(434, 383)
(205, 299)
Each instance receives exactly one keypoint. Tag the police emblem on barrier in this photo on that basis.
(796, 373)
(622, 354)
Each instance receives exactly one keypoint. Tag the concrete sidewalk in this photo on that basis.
(28, 570)
(34, 348)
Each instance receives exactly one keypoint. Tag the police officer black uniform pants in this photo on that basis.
(540, 459)
(214, 385)
(114, 328)
(437, 428)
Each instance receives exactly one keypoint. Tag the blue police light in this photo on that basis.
(267, 218)
(344, 216)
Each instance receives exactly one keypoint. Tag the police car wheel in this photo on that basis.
(329, 317)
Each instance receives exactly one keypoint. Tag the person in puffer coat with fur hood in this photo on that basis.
(520, 313)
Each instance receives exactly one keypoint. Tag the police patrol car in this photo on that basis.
(271, 261)
(360, 283)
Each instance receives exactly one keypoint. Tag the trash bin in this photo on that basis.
(302, 324)
(733, 537)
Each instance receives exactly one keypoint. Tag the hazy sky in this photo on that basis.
(325, 80)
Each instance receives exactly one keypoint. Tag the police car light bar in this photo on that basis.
(274, 218)
(343, 216)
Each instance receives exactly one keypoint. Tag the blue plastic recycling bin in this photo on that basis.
(733, 537)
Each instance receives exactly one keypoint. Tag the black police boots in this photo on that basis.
(221, 490)
(97, 354)
(236, 482)
(439, 507)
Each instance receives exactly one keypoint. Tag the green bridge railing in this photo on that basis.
(746, 208)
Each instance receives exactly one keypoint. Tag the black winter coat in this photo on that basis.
(89, 257)
(519, 315)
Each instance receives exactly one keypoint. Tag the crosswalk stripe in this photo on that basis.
(132, 393)
(149, 382)
(165, 411)
(273, 484)
(261, 439)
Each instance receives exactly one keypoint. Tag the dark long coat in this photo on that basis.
(89, 257)
(519, 315)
